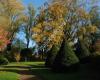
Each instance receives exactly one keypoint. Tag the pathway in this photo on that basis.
(27, 74)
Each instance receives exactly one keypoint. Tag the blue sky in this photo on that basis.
(36, 4)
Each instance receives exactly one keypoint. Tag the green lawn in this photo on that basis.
(10, 71)
(9, 75)
(84, 73)
(39, 69)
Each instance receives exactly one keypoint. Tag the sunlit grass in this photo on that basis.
(39, 69)
(9, 75)
(24, 63)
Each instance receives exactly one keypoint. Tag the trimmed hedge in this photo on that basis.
(51, 55)
(66, 60)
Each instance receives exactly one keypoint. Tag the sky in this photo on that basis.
(36, 4)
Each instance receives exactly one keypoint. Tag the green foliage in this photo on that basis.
(3, 60)
(11, 55)
(51, 55)
(66, 58)
(26, 53)
(19, 44)
(84, 50)
(29, 23)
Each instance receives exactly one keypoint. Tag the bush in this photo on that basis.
(12, 54)
(3, 60)
(66, 60)
(26, 53)
(51, 55)
(9, 55)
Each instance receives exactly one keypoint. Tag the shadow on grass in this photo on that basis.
(85, 73)
(25, 67)
(17, 69)
(24, 72)
(10, 70)
(38, 66)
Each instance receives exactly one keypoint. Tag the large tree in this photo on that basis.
(61, 21)
(29, 23)
(3, 38)
(11, 12)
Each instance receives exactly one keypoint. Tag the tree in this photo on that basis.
(51, 56)
(63, 22)
(29, 23)
(16, 54)
(82, 51)
(59, 20)
(19, 44)
(11, 12)
(66, 59)
(3, 38)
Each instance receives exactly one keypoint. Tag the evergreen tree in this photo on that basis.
(82, 51)
(65, 59)
(51, 55)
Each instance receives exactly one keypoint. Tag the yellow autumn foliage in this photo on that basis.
(57, 10)
(36, 30)
(91, 29)
(81, 31)
(82, 13)
(60, 18)
(11, 16)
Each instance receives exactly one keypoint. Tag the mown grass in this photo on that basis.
(11, 71)
(85, 72)
(9, 75)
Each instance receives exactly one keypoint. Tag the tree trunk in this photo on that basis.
(28, 41)
(9, 46)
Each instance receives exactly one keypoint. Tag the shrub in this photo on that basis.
(13, 55)
(26, 54)
(66, 60)
(51, 55)
(17, 56)
(3, 60)
(9, 55)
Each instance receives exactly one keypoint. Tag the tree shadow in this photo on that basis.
(16, 69)
(25, 67)
(38, 66)
(85, 72)
(24, 72)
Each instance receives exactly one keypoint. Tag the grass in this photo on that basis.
(8, 75)
(11, 71)
(85, 72)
